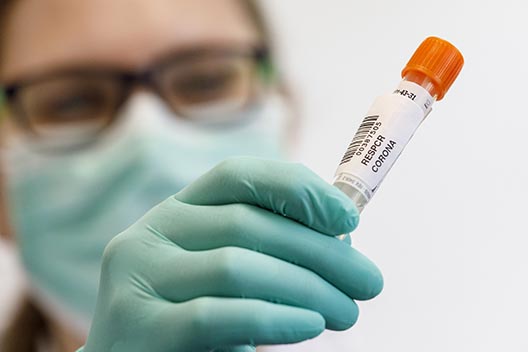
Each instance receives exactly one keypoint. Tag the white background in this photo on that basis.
(447, 227)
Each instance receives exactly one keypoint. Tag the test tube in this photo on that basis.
(393, 118)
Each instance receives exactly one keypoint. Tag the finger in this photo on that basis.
(218, 322)
(287, 189)
(240, 273)
(253, 228)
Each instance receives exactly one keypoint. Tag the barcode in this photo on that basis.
(361, 133)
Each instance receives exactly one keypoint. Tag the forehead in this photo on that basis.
(48, 34)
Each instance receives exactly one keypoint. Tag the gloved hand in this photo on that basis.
(244, 256)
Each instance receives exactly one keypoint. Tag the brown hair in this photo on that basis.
(26, 329)
(29, 325)
(5, 6)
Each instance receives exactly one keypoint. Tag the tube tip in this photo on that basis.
(439, 60)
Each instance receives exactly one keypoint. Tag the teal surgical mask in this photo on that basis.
(65, 208)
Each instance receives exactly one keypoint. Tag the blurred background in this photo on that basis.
(447, 226)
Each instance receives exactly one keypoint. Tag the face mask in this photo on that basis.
(65, 208)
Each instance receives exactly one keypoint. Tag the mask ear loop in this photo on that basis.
(266, 69)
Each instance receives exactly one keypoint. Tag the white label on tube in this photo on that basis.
(380, 139)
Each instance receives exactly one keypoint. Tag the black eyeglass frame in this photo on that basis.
(129, 79)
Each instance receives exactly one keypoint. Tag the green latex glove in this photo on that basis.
(244, 256)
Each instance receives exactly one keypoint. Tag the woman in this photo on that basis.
(115, 105)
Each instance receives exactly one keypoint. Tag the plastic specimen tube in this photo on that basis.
(392, 119)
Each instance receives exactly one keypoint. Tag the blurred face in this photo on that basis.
(75, 64)
(44, 38)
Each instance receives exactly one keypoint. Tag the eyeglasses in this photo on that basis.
(80, 103)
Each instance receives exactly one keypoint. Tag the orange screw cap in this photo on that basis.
(437, 59)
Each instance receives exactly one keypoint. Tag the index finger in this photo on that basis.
(288, 189)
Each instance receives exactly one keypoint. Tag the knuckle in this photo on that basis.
(119, 307)
(117, 251)
(234, 223)
(112, 249)
(166, 211)
(302, 170)
(228, 267)
(297, 178)
(200, 317)
(230, 167)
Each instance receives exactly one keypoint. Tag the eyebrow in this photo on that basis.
(170, 56)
